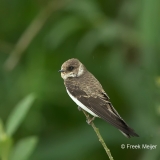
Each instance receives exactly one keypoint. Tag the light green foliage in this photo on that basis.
(5, 143)
(24, 148)
(18, 114)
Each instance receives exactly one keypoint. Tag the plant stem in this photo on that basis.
(99, 136)
(31, 31)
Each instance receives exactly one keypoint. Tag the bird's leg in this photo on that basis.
(79, 108)
(89, 120)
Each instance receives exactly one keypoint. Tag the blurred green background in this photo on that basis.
(118, 41)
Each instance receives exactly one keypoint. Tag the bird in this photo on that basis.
(87, 92)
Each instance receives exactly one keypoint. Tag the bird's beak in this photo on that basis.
(61, 71)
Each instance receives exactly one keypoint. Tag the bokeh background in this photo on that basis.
(118, 41)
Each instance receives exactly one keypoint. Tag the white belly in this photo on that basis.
(81, 105)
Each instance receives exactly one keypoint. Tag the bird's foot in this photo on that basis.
(79, 108)
(89, 120)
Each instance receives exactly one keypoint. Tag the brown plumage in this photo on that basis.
(88, 93)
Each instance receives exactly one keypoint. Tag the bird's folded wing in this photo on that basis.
(101, 107)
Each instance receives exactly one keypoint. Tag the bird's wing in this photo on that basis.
(102, 107)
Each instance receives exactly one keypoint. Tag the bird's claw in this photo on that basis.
(79, 108)
(89, 121)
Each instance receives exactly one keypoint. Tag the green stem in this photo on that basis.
(99, 136)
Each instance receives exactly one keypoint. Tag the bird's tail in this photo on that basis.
(127, 131)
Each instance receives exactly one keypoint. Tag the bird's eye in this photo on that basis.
(70, 68)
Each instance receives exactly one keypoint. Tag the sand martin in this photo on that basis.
(86, 91)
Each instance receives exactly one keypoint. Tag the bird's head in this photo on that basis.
(72, 68)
